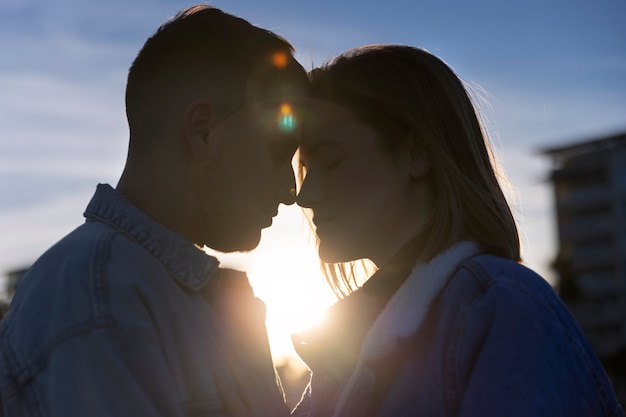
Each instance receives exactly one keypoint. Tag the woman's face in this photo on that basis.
(360, 193)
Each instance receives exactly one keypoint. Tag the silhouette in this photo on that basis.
(127, 315)
(396, 169)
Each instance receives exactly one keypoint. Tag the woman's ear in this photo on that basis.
(198, 124)
(419, 161)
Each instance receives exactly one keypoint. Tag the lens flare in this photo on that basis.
(286, 119)
(279, 59)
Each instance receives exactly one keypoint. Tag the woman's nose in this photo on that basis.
(306, 196)
(286, 185)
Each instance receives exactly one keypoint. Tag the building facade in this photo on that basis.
(589, 180)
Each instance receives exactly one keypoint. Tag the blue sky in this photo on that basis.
(553, 72)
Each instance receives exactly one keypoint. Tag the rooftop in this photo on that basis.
(563, 153)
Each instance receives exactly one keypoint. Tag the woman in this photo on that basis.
(397, 170)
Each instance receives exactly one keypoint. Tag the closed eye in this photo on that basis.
(327, 155)
(331, 159)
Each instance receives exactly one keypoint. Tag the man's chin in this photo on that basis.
(243, 244)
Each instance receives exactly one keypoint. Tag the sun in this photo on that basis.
(295, 296)
(284, 272)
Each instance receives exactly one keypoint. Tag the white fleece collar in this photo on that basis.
(406, 310)
(404, 314)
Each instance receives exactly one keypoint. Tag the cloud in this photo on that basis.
(537, 117)
(62, 126)
(60, 134)
(28, 231)
(56, 135)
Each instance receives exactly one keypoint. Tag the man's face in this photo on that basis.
(246, 176)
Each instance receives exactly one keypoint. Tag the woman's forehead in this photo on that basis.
(337, 129)
(320, 115)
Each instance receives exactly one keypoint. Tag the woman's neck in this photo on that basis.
(391, 275)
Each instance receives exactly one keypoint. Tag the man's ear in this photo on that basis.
(198, 122)
(419, 161)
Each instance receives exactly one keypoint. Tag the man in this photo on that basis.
(127, 316)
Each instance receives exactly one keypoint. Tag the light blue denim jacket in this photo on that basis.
(497, 342)
(119, 319)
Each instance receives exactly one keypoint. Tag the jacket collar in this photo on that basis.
(402, 317)
(407, 309)
(347, 336)
(186, 262)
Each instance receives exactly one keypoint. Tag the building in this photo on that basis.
(589, 180)
(13, 278)
(10, 284)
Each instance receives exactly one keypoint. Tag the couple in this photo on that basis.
(128, 316)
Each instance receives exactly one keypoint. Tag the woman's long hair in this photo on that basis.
(394, 87)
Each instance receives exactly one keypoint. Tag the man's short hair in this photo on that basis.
(204, 51)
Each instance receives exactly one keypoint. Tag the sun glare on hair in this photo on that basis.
(279, 59)
(285, 274)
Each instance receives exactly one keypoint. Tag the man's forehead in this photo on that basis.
(272, 121)
(281, 114)
(290, 116)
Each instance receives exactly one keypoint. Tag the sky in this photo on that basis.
(550, 73)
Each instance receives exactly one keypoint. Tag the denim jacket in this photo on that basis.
(494, 341)
(123, 317)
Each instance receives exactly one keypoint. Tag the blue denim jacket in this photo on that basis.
(119, 318)
(497, 342)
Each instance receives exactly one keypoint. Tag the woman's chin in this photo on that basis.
(333, 255)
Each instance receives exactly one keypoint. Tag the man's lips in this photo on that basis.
(269, 216)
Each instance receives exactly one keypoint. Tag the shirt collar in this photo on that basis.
(187, 263)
